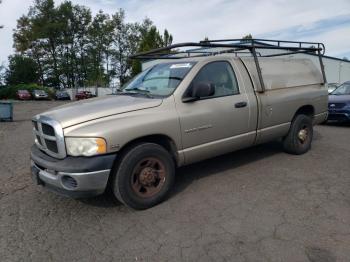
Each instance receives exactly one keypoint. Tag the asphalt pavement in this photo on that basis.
(257, 204)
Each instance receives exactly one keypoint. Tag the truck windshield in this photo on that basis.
(343, 89)
(159, 80)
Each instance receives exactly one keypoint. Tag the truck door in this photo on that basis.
(220, 123)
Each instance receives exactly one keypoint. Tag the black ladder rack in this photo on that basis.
(236, 46)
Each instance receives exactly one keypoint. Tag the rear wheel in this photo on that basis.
(144, 176)
(299, 138)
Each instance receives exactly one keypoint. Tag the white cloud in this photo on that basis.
(195, 19)
(337, 41)
(191, 20)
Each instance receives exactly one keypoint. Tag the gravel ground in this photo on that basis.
(258, 204)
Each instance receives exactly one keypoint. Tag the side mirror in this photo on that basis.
(200, 89)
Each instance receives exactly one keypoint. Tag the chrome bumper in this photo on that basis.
(71, 184)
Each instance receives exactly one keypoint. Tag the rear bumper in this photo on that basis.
(73, 176)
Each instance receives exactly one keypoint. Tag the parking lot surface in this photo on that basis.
(258, 204)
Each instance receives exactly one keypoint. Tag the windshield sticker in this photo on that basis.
(187, 65)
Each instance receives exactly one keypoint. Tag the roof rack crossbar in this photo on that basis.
(287, 53)
(242, 44)
(270, 41)
(235, 46)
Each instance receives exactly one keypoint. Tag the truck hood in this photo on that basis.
(90, 109)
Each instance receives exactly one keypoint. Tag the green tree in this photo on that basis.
(56, 37)
(125, 43)
(37, 36)
(247, 39)
(150, 39)
(46, 28)
(73, 42)
(71, 47)
(100, 40)
(24, 43)
(167, 38)
(21, 70)
(248, 36)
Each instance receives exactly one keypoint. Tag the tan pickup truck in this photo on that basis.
(179, 111)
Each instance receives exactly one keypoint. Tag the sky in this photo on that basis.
(301, 20)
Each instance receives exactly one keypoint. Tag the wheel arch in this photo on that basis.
(163, 140)
(308, 110)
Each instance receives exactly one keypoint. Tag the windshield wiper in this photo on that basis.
(163, 77)
(137, 90)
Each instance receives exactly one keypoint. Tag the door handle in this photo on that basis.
(240, 104)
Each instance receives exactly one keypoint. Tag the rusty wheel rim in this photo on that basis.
(303, 134)
(148, 177)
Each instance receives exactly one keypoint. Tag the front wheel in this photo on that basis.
(144, 176)
(299, 138)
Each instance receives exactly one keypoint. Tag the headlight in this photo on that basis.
(81, 146)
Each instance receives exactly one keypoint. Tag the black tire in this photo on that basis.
(296, 142)
(134, 181)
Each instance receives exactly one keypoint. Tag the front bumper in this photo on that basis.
(341, 116)
(72, 176)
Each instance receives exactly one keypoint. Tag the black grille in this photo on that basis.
(51, 145)
(336, 105)
(47, 135)
(48, 130)
(35, 124)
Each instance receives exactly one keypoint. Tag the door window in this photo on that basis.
(221, 75)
